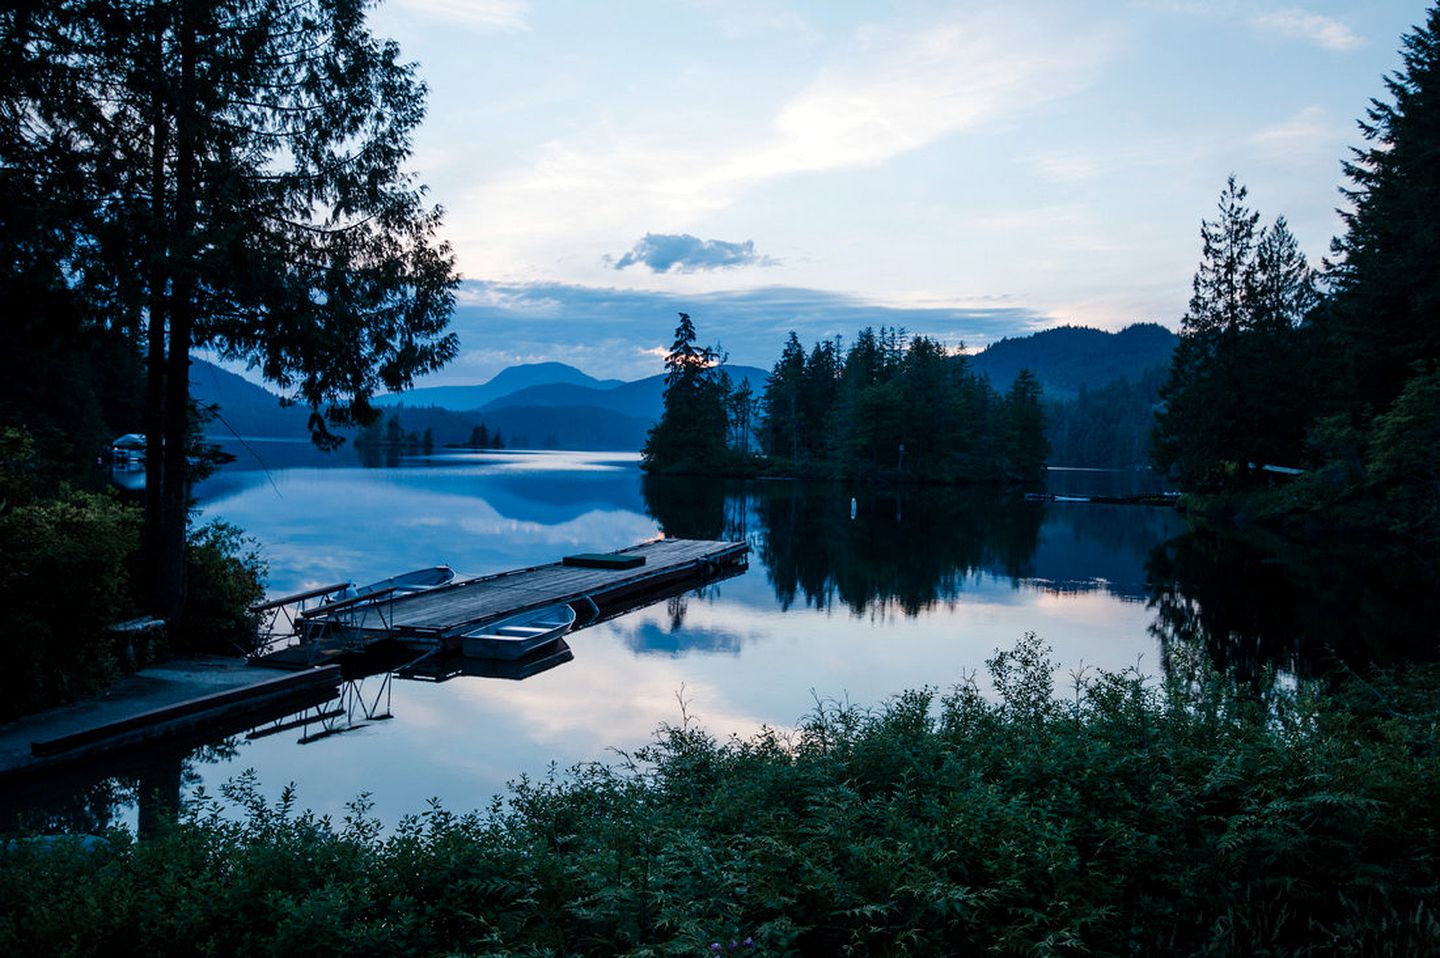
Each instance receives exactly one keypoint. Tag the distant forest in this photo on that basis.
(889, 406)
(1108, 427)
(1101, 390)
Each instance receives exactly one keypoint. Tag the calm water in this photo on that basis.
(915, 588)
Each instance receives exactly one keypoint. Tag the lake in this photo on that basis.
(852, 593)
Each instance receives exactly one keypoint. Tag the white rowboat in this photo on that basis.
(520, 634)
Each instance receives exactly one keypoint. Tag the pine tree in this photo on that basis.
(780, 432)
(1025, 446)
(1219, 301)
(691, 433)
(1229, 404)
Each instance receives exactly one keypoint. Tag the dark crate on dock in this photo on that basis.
(604, 560)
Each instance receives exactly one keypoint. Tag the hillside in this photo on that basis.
(1068, 359)
(245, 408)
(643, 398)
(507, 381)
(528, 427)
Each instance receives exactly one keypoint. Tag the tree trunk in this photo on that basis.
(156, 589)
(169, 518)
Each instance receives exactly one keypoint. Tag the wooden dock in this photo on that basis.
(436, 618)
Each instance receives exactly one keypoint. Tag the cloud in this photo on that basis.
(683, 253)
(1308, 133)
(887, 93)
(484, 15)
(607, 332)
(1325, 32)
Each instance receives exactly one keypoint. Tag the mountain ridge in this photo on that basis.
(1070, 359)
(509, 380)
(580, 411)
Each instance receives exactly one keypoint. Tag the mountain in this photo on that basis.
(540, 405)
(505, 382)
(643, 398)
(245, 408)
(528, 427)
(1067, 359)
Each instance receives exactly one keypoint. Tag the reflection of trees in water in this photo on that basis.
(1085, 546)
(83, 803)
(1250, 605)
(696, 508)
(907, 548)
(84, 808)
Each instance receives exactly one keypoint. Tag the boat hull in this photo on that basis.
(519, 635)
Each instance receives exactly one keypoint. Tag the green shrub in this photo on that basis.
(1119, 817)
(225, 575)
(66, 577)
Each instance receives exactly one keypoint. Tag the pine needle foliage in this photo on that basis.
(1116, 815)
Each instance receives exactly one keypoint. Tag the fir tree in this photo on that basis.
(691, 433)
(1386, 283)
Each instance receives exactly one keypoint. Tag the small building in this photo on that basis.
(129, 448)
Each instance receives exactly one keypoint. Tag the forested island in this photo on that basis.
(889, 406)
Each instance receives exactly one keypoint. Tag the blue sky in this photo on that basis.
(968, 170)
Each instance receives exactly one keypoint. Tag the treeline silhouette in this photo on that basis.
(891, 406)
(1342, 384)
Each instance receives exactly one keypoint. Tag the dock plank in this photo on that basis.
(452, 608)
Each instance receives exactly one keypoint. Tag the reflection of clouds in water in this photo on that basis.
(653, 639)
(599, 701)
(741, 660)
(615, 526)
(367, 525)
(540, 461)
(296, 568)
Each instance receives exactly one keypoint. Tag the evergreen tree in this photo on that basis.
(1383, 318)
(1219, 302)
(781, 402)
(232, 178)
(819, 380)
(1282, 289)
(740, 411)
(691, 433)
(1025, 446)
(1227, 406)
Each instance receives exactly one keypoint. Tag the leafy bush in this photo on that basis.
(225, 575)
(71, 571)
(1121, 817)
(66, 577)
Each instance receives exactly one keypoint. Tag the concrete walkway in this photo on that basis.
(178, 680)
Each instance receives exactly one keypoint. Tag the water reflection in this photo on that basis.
(875, 550)
(905, 549)
(142, 790)
(918, 586)
(1252, 604)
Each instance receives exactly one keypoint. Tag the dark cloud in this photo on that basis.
(683, 253)
(603, 331)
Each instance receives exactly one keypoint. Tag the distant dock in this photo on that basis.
(436, 618)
